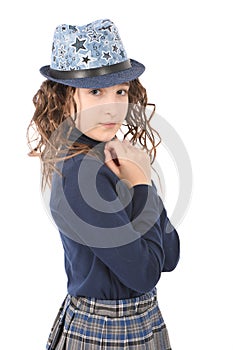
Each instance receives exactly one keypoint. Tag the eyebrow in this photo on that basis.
(124, 84)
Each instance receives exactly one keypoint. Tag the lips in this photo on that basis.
(109, 124)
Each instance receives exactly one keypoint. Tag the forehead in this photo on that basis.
(114, 87)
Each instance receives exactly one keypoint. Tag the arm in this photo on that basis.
(171, 242)
(134, 167)
(131, 247)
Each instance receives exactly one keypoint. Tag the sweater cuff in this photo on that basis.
(144, 198)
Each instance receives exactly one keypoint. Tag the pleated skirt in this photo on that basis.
(94, 324)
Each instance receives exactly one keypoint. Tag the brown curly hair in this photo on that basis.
(54, 104)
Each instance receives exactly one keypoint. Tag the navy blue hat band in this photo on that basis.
(92, 72)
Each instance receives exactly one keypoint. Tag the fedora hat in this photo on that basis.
(90, 56)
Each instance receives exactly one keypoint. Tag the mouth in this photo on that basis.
(108, 124)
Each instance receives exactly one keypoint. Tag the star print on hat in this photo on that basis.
(83, 56)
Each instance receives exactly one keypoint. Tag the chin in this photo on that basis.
(104, 135)
(106, 138)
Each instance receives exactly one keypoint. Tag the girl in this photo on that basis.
(114, 228)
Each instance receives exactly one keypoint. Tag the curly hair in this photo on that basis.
(54, 104)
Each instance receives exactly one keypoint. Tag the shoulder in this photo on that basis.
(87, 166)
(91, 188)
(88, 174)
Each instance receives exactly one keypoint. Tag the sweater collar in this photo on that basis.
(77, 136)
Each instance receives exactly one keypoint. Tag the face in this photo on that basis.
(101, 112)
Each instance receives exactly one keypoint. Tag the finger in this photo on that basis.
(126, 142)
(113, 144)
(108, 156)
(116, 148)
(110, 163)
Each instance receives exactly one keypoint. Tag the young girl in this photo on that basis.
(114, 228)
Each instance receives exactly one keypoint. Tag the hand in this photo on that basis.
(129, 163)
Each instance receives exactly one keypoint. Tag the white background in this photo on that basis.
(187, 49)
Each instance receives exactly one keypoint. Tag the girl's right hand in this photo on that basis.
(128, 162)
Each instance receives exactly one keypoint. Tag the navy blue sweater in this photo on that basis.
(116, 240)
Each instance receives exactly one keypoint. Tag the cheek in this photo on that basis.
(88, 118)
(120, 110)
(124, 110)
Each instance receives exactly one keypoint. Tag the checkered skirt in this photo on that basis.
(93, 324)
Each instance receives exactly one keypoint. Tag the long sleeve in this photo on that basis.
(123, 228)
(170, 238)
(171, 242)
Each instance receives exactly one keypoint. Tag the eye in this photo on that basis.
(122, 92)
(95, 92)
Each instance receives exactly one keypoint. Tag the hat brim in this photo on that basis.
(100, 81)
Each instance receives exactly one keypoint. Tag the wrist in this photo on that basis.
(131, 184)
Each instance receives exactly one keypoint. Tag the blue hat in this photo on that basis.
(90, 56)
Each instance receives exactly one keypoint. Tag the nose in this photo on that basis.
(115, 109)
(113, 106)
(111, 109)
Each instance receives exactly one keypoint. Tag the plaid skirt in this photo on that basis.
(94, 324)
